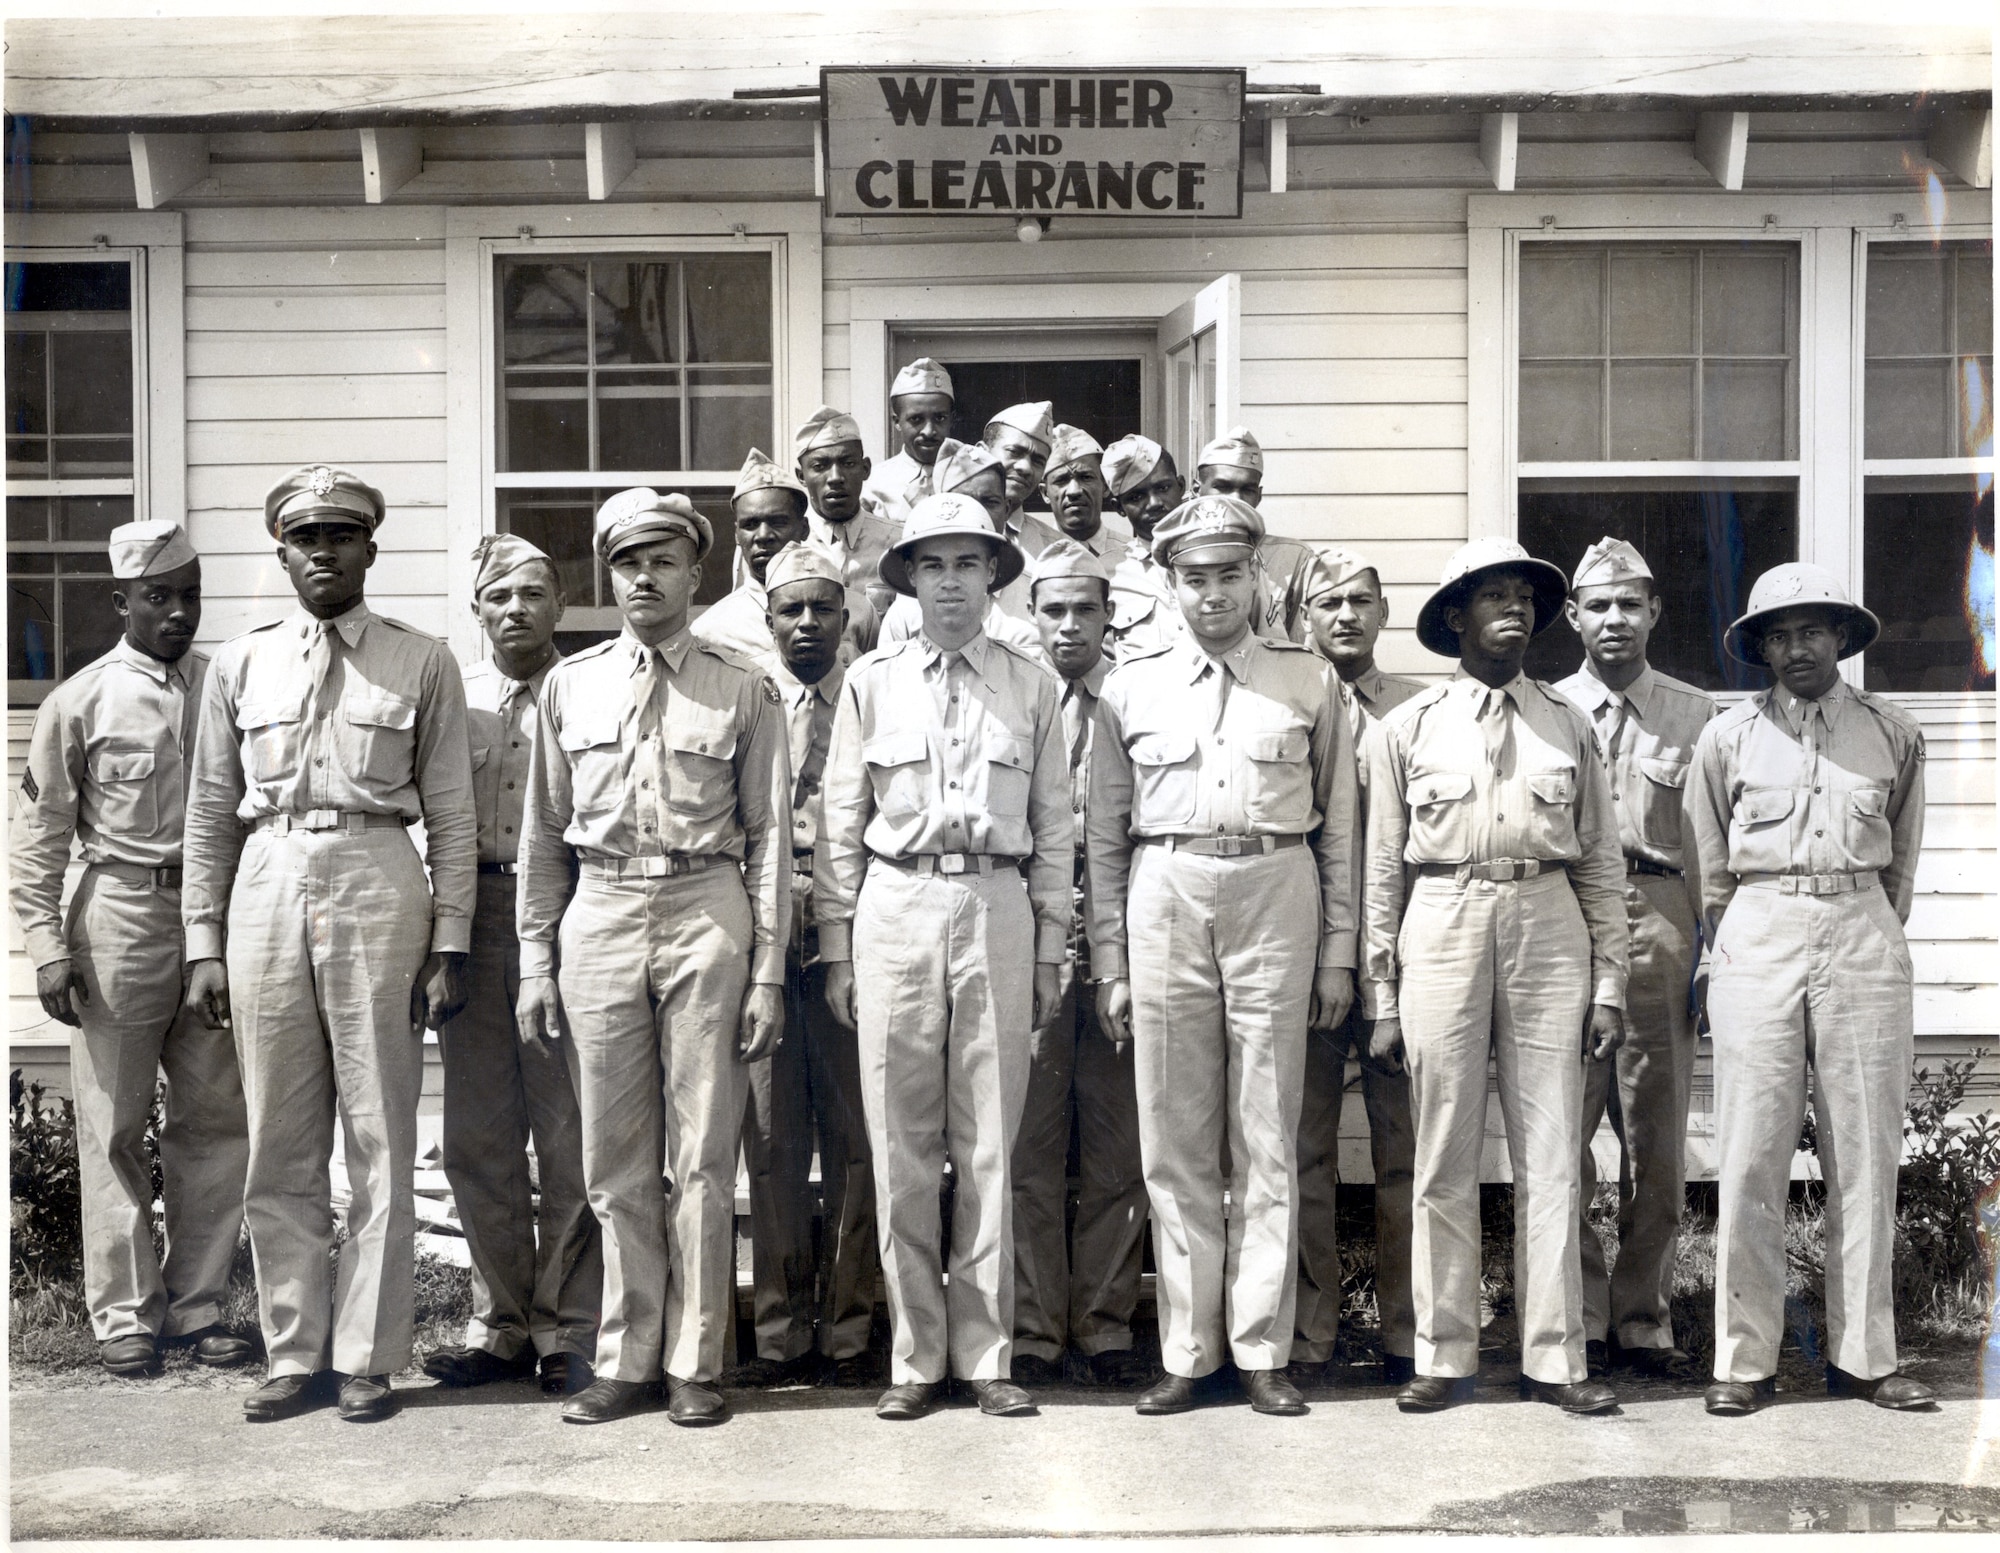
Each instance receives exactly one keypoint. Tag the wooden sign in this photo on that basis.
(958, 141)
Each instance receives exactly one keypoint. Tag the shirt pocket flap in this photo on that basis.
(1440, 787)
(896, 749)
(266, 714)
(122, 765)
(381, 709)
(716, 739)
(1870, 801)
(1162, 749)
(587, 733)
(1763, 805)
(480, 755)
(1666, 772)
(1005, 749)
(1556, 785)
(1277, 744)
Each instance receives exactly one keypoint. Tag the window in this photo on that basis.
(1658, 396)
(1927, 449)
(71, 436)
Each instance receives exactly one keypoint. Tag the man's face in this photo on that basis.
(1075, 494)
(163, 612)
(653, 582)
(1228, 480)
(1144, 505)
(952, 576)
(923, 421)
(1615, 620)
(1803, 647)
(1022, 457)
(1215, 597)
(520, 610)
(833, 475)
(1072, 613)
(327, 562)
(1497, 619)
(767, 521)
(1347, 618)
(989, 489)
(807, 619)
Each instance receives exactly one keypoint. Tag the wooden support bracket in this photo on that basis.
(390, 158)
(1500, 147)
(1962, 144)
(165, 165)
(1278, 151)
(1721, 141)
(608, 157)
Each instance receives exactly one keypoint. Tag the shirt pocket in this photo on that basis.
(1163, 779)
(381, 731)
(1870, 840)
(701, 766)
(899, 768)
(1010, 769)
(1660, 800)
(1280, 788)
(1553, 791)
(127, 797)
(597, 764)
(1440, 816)
(1760, 839)
(271, 735)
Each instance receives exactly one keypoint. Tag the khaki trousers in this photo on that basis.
(1222, 957)
(1500, 968)
(944, 992)
(536, 1280)
(1078, 1288)
(125, 941)
(327, 931)
(1645, 1087)
(1798, 980)
(652, 979)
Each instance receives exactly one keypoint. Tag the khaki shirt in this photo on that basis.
(1648, 765)
(697, 767)
(384, 733)
(896, 485)
(107, 766)
(1777, 790)
(501, 715)
(1435, 797)
(905, 623)
(937, 752)
(1367, 699)
(809, 713)
(1078, 699)
(1145, 615)
(739, 622)
(859, 541)
(1281, 606)
(1251, 743)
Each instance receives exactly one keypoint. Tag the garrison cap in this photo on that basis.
(959, 463)
(947, 516)
(922, 376)
(1130, 461)
(803, 561)
(1031, 420)
(1609, 560)
(497, 555)
(1208, 523)
(1066, 558)
(1334, 568)
(1469, 563)
(1799, 585)
(761, 473)
(318, 491)
(1071, 445)
(150, 548)
(635, 516)
(825, 427)
(1236, 447)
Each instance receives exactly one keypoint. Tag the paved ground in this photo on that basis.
(92, 1458)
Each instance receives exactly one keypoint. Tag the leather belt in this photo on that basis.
(1224, 846)
(328, 819)
(168, 878)
(499, 868)
(927, 864)
(1499, 871)
(802, 860)
(1645, 865)
(667, 866)
(1813, 884)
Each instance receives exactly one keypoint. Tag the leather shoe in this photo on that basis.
(133, 1356)
(761, 1374)
(215, 1346)
(1434, 1393)
(1577, 1396)
(565, 1374)
(1739, 1398)
(1303, 1373)
(1398, 1369)
(849, 1374)
(1002, 1399)
(1170, 1394)
(287, 1396)
(365, 1399)
(476, 1367)
(605, 1399)
(1270, 1392)
(910, 1400)
(1033, 1370)
(1660, 1363)
(694, 1403)
(1899, 1393)
(1596, 1357)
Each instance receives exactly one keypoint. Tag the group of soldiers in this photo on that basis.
(955, 827)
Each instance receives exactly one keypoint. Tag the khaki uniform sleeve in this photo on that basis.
(1384, 892)
(1705, 811)
(764, 805)
(45, 810)
(1336, 796)
(1906, 827)
(849, 800)
(1052, 822)
(212, 840)
(1598, 878)
(547, 875)
(444, 789)
(1108, 840)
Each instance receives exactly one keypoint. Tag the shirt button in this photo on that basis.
(1817, 789)
(319, 760)
(508, 829)
(1819, 833)
(510, 787)
(1499, 819)
(1221, 782)
(952, 785)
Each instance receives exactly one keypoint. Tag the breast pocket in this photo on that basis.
(381, 732)
(701, 770)
(1660, 813)
(1280, 792)
(1010, 767)
(1440, 816)
(271, 735)
(127, 802)
(1163, 779)
(1553, 789)
(899, 768)
(597, 764)
(1870, 841)
(1760, 836)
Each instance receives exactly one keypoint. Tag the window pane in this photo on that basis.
(543, 312)
(31, 627)
(1903, 410)
(90, 519)
(547, 421)
(639, 421)
(1705, 546)
(1975, 300)
(1562, 302)
(1974, 385)
(1907, 300)
(1927, 561)
(729, 309)
(1562, 411)
(89, 286)
(79, 458)
(1652, 304)
(1743, 409)
(559, 522)
(1652, 409)
(93, 383)
(1743, 305)
(730, 413)
(90, 623)
(635, 312)
(27, 518)
(27, 382)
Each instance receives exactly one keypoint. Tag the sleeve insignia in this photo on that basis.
(771, 694)
(28, 786)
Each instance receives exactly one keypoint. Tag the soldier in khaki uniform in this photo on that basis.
(975, 470)
(107, 767)
(1806, 809)
(948, 778)
(845, 518)
(1646, 725)
(1345, 613)
(1021, 436)
(1221, 867)
(920, 404)
(769, 507)
(655, 903)
(324, 737)
(1073, 486)
(1233, 465)
(1079, 1292)
(1495, 925)
(1145, 487)
(536, 1277)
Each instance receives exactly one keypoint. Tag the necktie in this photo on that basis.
(646, 727)
(815, 757)
(1619, 712)
(1075, 724)
(1493, 718)
(319, 659)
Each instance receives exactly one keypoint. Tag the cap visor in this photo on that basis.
(1211, 555)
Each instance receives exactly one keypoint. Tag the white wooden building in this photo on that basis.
(1721, 286)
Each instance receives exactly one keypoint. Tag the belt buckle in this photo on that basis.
(654, 867)
(319, 819)
(951, 863)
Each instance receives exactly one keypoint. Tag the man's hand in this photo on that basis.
(538, 1012)
(1385, 1044)
(207, 995)
(762, 1025)
(1048, 994)
(1114, 1010)
(439, 991)
(1699, 998)
(840, 992)
(1333, 996)
(54, 983)
(1606, 1033)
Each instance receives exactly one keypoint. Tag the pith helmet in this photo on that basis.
(948, 515)
(1468, 564)
(1800, 585)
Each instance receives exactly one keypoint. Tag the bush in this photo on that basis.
(1945, 1213)
(47, 1194)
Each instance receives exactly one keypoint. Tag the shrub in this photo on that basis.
(1944, 1249)
(47, 1195)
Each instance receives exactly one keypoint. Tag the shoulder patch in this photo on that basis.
(771, 692)
(28, 787)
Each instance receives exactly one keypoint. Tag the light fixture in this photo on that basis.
(1030, 228)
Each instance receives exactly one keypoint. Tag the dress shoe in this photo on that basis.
(1002, 1399)
(1739, 1398)
(694, 1403)
(1270, 1392)
(1675, 1364)
(565, 1374)
(605, 1399)
(1304, 1372)
(287, 1396)
(215, 1346)
(1170, 1394)
(1898, 1393)
(1434, 1393)
(1120, 1367)
(1032, 1370)
(133, 1356)
(1576, 1396)
(849, 1374)
(1596, 1357)
(1398, 1369)
(910, 1400)
(761, 1374)
(476, 1367)
(366, 1399)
